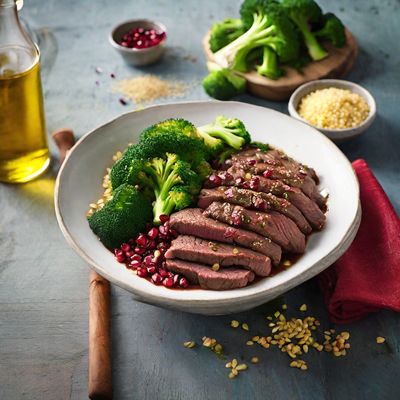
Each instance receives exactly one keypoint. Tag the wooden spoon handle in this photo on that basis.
(100, 377)
(64, 140)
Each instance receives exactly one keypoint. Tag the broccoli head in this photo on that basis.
(303, 13)
(333, 30)
(230, 130)
(268, 26)
(222, 33)
(222, 83)
(123, 217)
(173, 124)
(174, 183)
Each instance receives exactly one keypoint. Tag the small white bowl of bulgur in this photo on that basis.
(340, 109)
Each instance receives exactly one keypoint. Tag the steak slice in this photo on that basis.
(303, 182)
(309, 208)
(273, 225)
(256, 200)
(275, 157)
(194, 249)
(191, 221)
(225, 279)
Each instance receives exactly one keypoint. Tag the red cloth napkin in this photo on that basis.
(367, 277)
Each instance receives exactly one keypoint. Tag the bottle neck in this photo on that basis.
(17, 51)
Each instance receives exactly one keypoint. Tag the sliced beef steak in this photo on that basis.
(254, 200)
(275, 157)
(194, 249)
(287, 176)
(273, 225)
(308, 208)
(191, 221)
(224, 279)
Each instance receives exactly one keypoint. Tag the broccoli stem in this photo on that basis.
(218, 132)
(260, 29)
(162, 206)
(314, 48)
(269, 67)
(161, 203)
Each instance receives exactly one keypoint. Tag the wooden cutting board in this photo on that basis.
(339, 62)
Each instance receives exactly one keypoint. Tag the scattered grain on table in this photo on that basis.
(147, 88)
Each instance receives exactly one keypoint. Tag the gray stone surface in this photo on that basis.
(43, 284)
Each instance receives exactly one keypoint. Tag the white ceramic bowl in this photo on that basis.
(337, 135)
(79, 183)
(138, 57)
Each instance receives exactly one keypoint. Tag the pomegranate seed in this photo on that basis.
(162, 249)
(236, 220)
(168, 282)
(120, 258)
(132, 241)
(260, 204)
(229, 193)
(151, 270)
(125, 247)
(230, 232)
(142, 272)
(156, 278)
(267, 173)
(136, 257)
(118, 252)
(183, 283)
(252, 162)
(215, 180)
(129, 253)
(141, 240)
(148, 261)
(139, 250)
(151, 244)
(135, 263)
(254, 183)
(228, 176)
(163, 273)
(239, 180)
(153, 233)
(176, 279)
(164, 218)
(173, 232)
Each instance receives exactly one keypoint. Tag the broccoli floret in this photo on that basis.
(167, 176)
(269, 67)
(302, 13)
(332, 30)
(173, 124)
(222, 33)
(222, 83)
(269, 27)
(123, 217)
(230, 130)
(119, 171)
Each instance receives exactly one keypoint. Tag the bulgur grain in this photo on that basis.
(333, 108)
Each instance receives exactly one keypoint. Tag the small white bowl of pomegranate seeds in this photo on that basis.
(140, 42)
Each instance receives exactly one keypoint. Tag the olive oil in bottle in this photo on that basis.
(23, 145)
